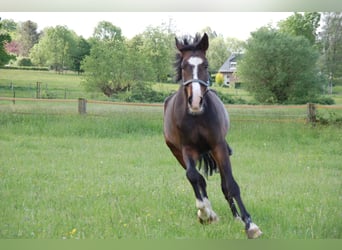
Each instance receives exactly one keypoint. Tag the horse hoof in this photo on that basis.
(208, 220)
(203, 218)
(253, 232)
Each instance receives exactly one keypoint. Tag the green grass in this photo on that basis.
(53, 85)
(109, 175)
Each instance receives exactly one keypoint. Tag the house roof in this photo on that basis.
(229, 65)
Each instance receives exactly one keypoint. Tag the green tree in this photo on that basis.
(106, 65)
(220, 49)
(106, 31)
(331, 42)
(301, 25)
(138, 64)
(217, 53)
(10, 26)
(55, 48)
(158, 48)
(81, 50)
(279, 68)
(4, 38)
(105, 68)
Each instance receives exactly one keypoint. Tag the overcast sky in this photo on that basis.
(228, 24)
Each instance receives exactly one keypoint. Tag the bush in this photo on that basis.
(143, 92)
(24, 61)
(327, 117)
(26, 68)
(219, 79)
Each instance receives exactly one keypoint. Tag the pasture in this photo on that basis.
(109, 175)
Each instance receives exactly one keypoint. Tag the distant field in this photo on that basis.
(109, 175)
(68, 85)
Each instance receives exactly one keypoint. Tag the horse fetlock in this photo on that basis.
(205, 213)
(253, 231)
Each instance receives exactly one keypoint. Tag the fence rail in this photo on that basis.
(288, 113)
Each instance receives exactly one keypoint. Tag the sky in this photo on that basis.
(229, 24)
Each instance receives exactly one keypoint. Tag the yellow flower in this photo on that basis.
(73, 231)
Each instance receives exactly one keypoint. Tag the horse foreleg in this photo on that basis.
(231, 190)
(205, 212)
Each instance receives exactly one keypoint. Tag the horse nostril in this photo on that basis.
(190, 100)
(201, 101)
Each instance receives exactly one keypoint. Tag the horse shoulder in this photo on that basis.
(220, 110)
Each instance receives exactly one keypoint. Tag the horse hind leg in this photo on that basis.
(231, 191)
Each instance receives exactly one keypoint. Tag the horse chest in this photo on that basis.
(196, 134)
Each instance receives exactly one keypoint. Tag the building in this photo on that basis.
(228, 70)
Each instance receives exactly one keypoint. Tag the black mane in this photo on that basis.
(189, 43)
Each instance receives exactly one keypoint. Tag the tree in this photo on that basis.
(220, 49)
(158, 48)
(81, 50)
(279, 68)
(4, 38)
(105, 68)
(301, 25)
(139, 66)
(27, 37)
(10, 27)
(217, 53)
(55, 48)
(331, 42)
(106, 65)
(106, 31)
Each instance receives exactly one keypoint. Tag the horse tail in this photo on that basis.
(208, 163)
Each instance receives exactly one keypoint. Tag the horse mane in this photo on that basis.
(188, 43)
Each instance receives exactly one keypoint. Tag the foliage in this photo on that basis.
(4, 38)
(106, 31)
(279, 68)
(158, 50)
(331, 43)
(24, 61)
(105, 66)
(27, 37)
(220, 49)
(219, 78)
(301, 25)
(26, 68)
(327, 117)
(116, 64)
(55, 48)
(79, 53)
(217, 53)
(143, 92)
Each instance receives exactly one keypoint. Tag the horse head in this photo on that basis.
(193, 70)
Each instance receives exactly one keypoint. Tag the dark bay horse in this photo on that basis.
(195, 126)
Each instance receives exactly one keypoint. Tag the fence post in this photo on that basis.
(38, 90)
(13, 100)
(311, 113)
(82, 106)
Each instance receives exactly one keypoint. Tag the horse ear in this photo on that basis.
(204, 43)
(178, 44)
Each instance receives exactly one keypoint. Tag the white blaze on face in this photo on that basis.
(196, 87)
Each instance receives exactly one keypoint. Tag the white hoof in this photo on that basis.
(205, 213)
(253, 231)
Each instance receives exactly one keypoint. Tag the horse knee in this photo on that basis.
(192, 175)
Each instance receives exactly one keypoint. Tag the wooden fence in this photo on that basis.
(289, 113)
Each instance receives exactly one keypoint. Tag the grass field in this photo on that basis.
(68, 86)
(108, 174)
